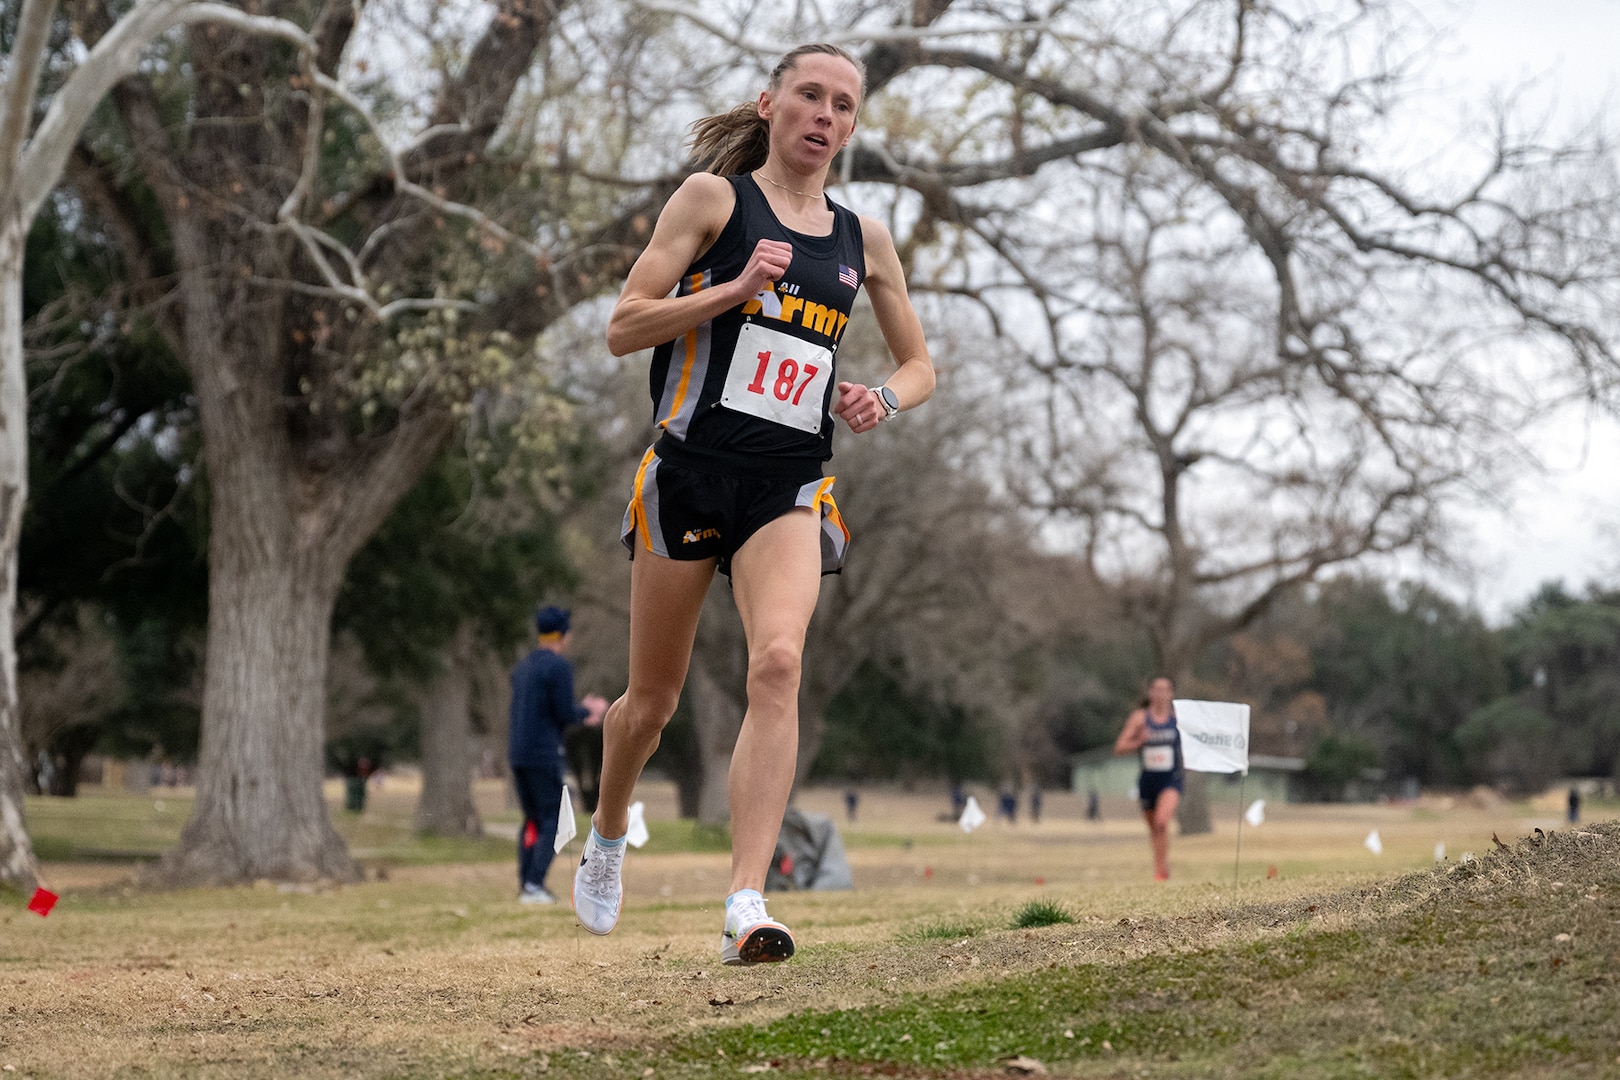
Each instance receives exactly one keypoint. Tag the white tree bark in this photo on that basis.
(17, 865)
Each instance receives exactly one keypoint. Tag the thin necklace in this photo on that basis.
(801, 194)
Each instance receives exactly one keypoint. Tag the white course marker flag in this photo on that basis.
(1214, 736)
(1256, 814)
(972, 817)
(637, 836)
(1440, 851)
(565, 822)
(1373, 843)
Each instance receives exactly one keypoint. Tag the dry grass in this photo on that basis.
(437, 970)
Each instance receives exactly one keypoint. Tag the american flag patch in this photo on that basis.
(848, 276)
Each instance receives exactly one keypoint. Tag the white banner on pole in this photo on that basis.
(1256, 814)
(565, 822)
(1373, 843)
(1214, 736)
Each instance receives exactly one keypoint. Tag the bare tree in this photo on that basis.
(1206, 476)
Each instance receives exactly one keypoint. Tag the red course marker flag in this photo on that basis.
(42, 902)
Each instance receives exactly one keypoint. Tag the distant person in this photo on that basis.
(1035, 804)
(852, 801)
(1007, 804)
(1093, 805)
(543, 709)
(1151, 732)
(958, 801)
(1574, 805)
(356, 771)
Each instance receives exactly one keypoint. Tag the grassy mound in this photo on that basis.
(1504, 966)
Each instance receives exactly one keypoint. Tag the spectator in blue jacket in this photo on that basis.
(543, 708)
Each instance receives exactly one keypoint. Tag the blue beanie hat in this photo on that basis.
(551, 620)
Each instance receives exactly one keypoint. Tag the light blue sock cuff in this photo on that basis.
(602, 842)
(743, 892)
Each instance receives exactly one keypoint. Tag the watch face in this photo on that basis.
(890, 401)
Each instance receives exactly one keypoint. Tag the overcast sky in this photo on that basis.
(1565, 523)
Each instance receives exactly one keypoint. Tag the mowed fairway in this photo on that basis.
(1345, 963)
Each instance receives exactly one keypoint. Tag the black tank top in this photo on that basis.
(756, 381)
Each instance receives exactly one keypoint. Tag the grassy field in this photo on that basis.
(1016, 948)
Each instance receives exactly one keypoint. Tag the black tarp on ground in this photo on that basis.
(809, 855)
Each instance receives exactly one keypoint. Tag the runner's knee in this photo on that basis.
(773, 671)
(644, 714)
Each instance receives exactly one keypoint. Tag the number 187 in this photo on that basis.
(787, 373)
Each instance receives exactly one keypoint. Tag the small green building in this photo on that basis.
(1274, 779)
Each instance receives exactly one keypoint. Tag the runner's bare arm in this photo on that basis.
(646, 314)
(1130, 739)
(913, 382)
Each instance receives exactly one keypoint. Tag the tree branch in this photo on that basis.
(111, 60)
(17, 95)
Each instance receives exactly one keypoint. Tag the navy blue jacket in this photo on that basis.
(543, 707)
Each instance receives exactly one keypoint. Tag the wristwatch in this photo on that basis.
(891, 404)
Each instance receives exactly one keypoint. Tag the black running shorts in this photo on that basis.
(689, 512)
(1150, 785)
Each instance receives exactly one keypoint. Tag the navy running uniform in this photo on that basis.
(744, 399)
(1162, 767)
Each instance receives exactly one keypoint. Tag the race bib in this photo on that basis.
(778, 377)
(1158, 758)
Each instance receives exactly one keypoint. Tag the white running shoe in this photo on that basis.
(536, 894)
(598, 890)
(751, 937)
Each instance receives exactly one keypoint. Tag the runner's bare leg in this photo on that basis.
(666, 597)
(776, 578)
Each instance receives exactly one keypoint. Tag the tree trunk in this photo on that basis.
(718, 717)
(812, 730)
(1192, 815)
(289, 505)
(260, 810)
(446, 806)
(17, 866)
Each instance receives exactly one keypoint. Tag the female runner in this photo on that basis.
(1151, 730)
(743, 294)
